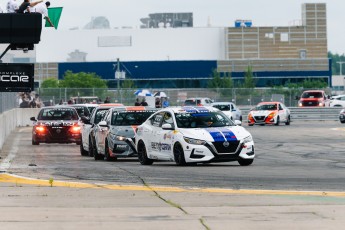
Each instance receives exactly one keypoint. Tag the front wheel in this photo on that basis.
(82, 151)
(288, 121)
(278, 121)
(179, 155)
(142, 155)
(107, 156)
(245, 162)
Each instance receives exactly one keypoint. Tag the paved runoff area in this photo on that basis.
(39, 199)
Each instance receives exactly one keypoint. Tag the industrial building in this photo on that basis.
(182, 56)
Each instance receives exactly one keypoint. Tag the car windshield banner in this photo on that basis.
(16, 77)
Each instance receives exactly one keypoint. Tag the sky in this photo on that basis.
(220, 13)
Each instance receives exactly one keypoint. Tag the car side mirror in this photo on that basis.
(167, 127)
(33, 119)
(85, 120)
(103, 124)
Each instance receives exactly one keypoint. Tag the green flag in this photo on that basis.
(54, 14)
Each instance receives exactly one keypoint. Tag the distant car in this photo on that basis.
(190, 135)
(82, 110)
(87, 128)
(313, 98)
(56, 125)
(117, 127)
(229, 109)
(337, 101)
(198, 101)
(269, 113)
(342, 116)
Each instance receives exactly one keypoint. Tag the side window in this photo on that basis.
(232, 107)
(280, 107)
(167, 119)
(156, 120)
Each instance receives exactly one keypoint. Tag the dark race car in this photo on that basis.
(342, 116)
(56, 125)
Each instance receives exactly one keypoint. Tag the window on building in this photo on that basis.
(284, 37)
(269, 35)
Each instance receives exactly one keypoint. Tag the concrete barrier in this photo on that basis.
(13, 118)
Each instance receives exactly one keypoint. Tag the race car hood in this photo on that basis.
(125, 131)
(57, 122)
(262, 112)
(229, 133)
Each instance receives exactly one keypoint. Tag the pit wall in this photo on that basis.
(13, 118)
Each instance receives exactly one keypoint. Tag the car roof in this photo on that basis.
(269, 102)
(307, 91)
(110, 105)
(197, 98)
(190, 109)
(133, 108)
(222, 103)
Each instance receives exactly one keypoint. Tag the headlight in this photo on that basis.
(248, 139)
(271, 115)
(194, 141)
(300, 104)
(120, 138)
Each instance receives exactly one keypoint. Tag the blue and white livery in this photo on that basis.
(189, 135)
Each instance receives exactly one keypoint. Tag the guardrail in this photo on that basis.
(305, 113)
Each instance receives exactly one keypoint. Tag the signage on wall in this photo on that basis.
(16, 77)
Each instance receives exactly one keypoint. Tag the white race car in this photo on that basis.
(189, 135)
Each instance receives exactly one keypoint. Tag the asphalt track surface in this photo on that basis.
(304, 156)
(295, 182)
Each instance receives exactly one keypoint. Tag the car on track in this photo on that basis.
(88, 125)
(82, 110)
(269, 113)
(117, 127)
(198, 101)
(56, 125)
(191, 135)
(316, 98)
(337, 101)
(229, 109)
(342, 116)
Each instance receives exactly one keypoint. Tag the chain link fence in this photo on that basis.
(240, 96)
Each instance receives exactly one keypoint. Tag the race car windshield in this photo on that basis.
(130, 118)
(222, 107)
(312, 95)
(202, 120)
(58, 114)
(266, 107)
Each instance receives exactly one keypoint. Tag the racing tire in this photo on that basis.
(96, 155)
(107, 157)
(245, 162)
(288, 121)
(83, 152)
(78, 143)
(35, 142)
(277, 122)
(241, 118)
(179, 155)
(91, 153)
(142, 155)
(342, 122)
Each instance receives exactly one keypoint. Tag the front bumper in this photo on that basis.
(124, 149)
(211, 152)
(46, 138)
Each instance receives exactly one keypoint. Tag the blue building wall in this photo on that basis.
(184, 74)
(144, 70)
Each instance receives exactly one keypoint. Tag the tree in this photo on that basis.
(82, 80)
(218, 82)
(249, 82)
(50, 83)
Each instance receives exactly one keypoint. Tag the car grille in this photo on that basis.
(259, 118)
(58, 133)
(310, 103)
(233, 145)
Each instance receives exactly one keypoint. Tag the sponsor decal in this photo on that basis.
(191, 109)
(167, 136)
(160, 146)
(221, 134)
(56, 123)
